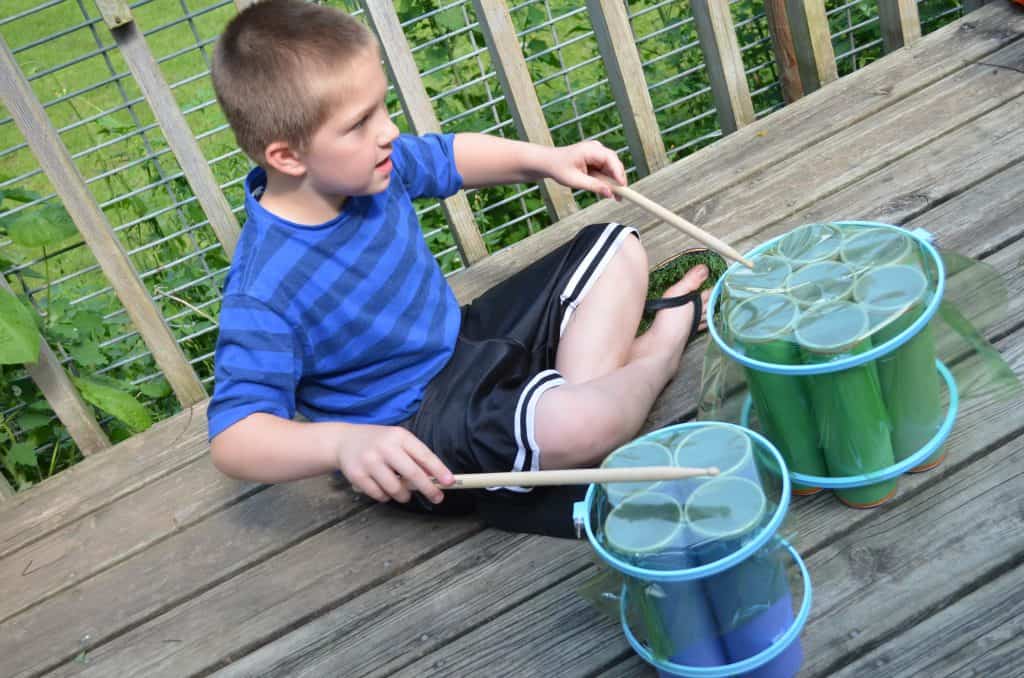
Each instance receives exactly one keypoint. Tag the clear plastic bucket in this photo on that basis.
(706, 588)
(840, 365)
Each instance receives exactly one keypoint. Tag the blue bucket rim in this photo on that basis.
(736, 668)
(849, 361)
(889, 472)
(719, 565)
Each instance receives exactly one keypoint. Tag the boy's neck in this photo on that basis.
(293, 199)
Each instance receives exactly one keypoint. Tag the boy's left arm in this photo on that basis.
(485, 160)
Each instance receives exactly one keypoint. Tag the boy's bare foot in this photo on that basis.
(670, 330)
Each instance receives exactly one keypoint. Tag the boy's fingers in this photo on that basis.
(413, 476)
(589, 183)
(429, 461)
(371, 489)
(392, 485)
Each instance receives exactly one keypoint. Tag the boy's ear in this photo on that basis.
(283, 158)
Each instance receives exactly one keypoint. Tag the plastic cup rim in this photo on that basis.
(651, 484)
(774, 337)
(728, 282)
(835, 347)
(748, 452)
(919, 274)
(820, 263)
(653, 548)
(694, 525)
(907, 242)
(804, 262)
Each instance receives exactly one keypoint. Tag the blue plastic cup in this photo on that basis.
(751, 601)
(648, 529)
(726, 447)
(631, 455)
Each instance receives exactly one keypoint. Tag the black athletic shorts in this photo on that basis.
(477, 414)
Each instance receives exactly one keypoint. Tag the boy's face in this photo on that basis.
(350, 154)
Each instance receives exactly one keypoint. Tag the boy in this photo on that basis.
(335, 308)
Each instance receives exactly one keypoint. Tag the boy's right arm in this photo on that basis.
(380, 461)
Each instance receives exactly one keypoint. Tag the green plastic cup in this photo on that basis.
(763, 328)
(853, 423)
(873, 247)
(820, 283)
(894, 297)
(810, 243)
(646, 523)
(768, 275)
(638, 453)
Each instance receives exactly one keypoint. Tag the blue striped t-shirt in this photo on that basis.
(345, 321)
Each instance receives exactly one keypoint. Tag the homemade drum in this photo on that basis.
(832, 329)
(706, 591)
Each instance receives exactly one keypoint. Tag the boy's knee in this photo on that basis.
(571, 429)
(634, 255)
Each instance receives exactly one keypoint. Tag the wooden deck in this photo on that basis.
(143, 560)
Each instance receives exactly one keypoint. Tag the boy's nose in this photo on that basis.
(389, 133)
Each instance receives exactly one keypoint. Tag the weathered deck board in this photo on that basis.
(171, 571)
(98, 481)
(978, 634)
(386, 628)
(300, 579)
(316, 573)
(971, 523)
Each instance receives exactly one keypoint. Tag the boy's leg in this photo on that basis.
(579, 423)
(600, 332)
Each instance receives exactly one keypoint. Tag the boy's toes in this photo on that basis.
(693, 279)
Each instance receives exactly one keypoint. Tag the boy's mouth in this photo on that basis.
(384, 166)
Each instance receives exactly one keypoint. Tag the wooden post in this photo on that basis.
(813, 42)
(115, 12)
(626, 76)
(179, 135)
(900, 23)
(67, 404)
(784, 49)
(406, 77)
(6, 491)
(724, 63)
(510, 65)
(55, 160)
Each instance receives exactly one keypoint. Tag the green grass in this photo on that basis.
(667, 274)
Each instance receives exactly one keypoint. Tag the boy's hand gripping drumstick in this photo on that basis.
(673, 219)
(582, 476)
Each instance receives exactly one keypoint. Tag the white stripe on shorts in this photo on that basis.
(576, 295)
(524, 425)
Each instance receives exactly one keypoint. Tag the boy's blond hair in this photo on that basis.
(270, 66)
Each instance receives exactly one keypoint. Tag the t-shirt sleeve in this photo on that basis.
(256, 364)
(426, 165)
